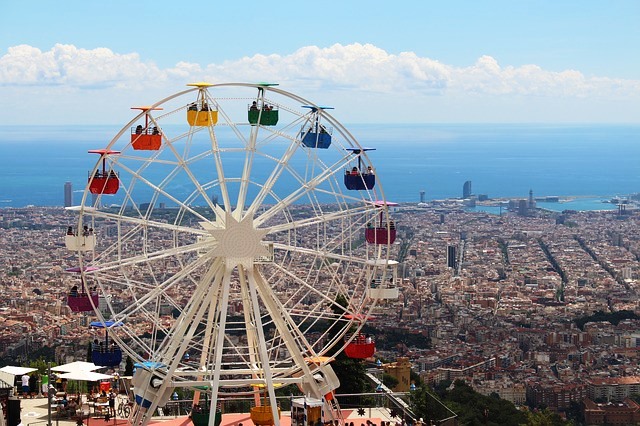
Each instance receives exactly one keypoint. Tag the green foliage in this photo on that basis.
(341, 304)
(388, 339)
(352, 373)
(40, 364)
(389, 381)
(353, 378)
(575, 412)
(545, 418)
(414, 377)
(612, 317)
(471, 407)
(425, 405)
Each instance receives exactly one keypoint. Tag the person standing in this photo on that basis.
(45, 384)
(25, 385)
(112, 402)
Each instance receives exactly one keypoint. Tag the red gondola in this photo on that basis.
(382, 232)
(146, 138)
(80, 300)
(103, 181)
(357, 178)
(360, 348)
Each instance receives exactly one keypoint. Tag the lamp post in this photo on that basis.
(49, 395)
(174, 397)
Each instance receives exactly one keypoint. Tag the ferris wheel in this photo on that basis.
(230, 244)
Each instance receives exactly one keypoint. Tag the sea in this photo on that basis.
(584, 165)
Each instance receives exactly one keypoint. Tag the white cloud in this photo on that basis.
(68, 65)
(487, 77)
(354, 67)
(412, 88)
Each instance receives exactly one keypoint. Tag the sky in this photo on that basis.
(416, 61)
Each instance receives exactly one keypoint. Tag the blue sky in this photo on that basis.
(426, 61)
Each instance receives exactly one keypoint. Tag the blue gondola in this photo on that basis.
(357, 179)
(104, 354)
(316, 135)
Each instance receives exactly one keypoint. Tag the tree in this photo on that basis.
(426, 405)
(389, 381)
(545, 418)
(40, 364)
(471, 407)
(352, 374)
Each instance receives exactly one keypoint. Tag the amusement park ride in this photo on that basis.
(238, 297)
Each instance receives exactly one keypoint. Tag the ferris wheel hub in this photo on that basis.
(238, 242)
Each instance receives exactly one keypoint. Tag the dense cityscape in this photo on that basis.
(504, 302)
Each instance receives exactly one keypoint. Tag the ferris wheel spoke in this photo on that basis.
(163, 287)
(252, 336)
(146, 258)
(215, 148)
(183, 165)
(282, 164)
(159, 190)
(303, 284)
(250, 148)
(353, 213)
(142, 221)
(321, 254)
(174, 346)
(282, 320)
(218, 342)
(124, 282)
(305, 189)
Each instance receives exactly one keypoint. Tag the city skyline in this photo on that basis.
(493, 61)
(515, 316)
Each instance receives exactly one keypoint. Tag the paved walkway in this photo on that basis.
(34, 412)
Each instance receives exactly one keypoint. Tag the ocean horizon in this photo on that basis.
(591, 163)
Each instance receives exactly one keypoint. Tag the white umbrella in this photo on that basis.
(81, 371)
(87, 376)
(76, 366)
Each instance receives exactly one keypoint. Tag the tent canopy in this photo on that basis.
(76, 366)
(8, 374)
(17, 371)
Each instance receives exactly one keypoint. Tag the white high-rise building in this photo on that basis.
(68, 194)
